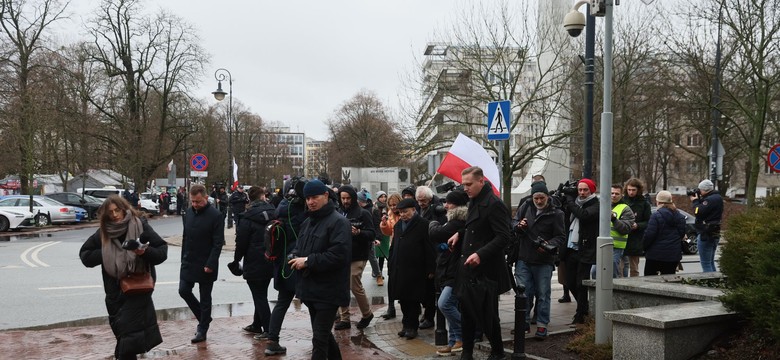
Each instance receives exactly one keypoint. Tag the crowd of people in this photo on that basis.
(315, 242)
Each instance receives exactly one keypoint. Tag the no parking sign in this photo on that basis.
(199, 162)
(773, 158)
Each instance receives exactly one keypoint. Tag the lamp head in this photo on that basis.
(219, 94)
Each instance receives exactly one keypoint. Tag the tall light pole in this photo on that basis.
(574, 23)
(221, 75)
(715, 103)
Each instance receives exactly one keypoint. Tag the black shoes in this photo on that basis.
(363, 323)
(466, 356)
(564, 299)
(253, 329)
(274, 348)
(200, 336)
(426, 324)
(578, 319)
(500, 356)
(402, 333)
(342, 325)
(410, 334)
(389, 314)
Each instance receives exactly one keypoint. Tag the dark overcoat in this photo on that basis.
(487, 234)
(250, 241)
(201, 244)
(132, 317)
(412, 261)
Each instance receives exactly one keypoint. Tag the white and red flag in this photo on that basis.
(235, 175)
(170, 165)
(465, 153)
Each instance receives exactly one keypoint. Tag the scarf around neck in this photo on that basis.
(117, 261)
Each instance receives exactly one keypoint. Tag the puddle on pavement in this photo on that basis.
(23, 236)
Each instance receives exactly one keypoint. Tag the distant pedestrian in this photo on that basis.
(635, 199)
(322, 256)
(238, 203)
(662, 237)
(125, 243)
(202, 242)
(386, 226)
(181, 199)
(708, 209)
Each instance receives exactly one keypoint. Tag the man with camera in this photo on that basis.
(708, 209)
(362, 230)
(580, 252)
(540, 234)
(321, 257)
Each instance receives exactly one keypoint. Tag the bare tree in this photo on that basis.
(363, 135)
(23, 35)
(150, 62)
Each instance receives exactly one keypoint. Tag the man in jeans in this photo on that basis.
(541, 232)
(708, 209)
(362, 239)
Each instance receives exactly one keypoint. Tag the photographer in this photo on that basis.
(362, 239)
(540, 234)
(580, 252)
(708, 209)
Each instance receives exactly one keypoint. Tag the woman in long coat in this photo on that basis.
(411, 265)
(131, 317)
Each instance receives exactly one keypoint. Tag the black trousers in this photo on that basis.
(429, 303)
(283, 300)
(259, 289)
(653, 267)
(469, 327)
(325, 346)
(201, 309)
(583, 273)
(411, 311)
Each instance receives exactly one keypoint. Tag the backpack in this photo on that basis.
(275, 240)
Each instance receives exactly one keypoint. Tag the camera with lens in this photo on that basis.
(568, 188)
(356, 224)
(693, 192)
(543, 244)
(443, 188)
(293, 189)
(134, 244)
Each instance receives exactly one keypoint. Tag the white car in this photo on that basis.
(47, 211)
(146, 205)
(15, 219)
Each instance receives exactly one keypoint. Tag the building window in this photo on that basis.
(695, 140)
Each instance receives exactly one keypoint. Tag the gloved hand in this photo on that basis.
(235, 268)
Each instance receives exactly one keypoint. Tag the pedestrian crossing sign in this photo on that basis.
(498, 120)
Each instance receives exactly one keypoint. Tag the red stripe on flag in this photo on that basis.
(452, 166)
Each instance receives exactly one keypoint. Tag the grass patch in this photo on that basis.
(584, 343)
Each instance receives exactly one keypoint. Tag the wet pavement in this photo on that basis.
(92, 338)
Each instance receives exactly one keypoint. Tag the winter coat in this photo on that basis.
(291, 216)
(250, 238)
(412, 261)
(430, 213)
(549, 225)
(588, 216)
(709, 212)
(132, 317)
(201, 244)
(487, 234)
(663, 235)
(324, 240)
(447, 260)
(222, 201)
(383, 249)
(238, 201)
(361, 243)
(642, 211)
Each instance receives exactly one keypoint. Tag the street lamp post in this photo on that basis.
(574, 22)
(221, 75)
(715, 103)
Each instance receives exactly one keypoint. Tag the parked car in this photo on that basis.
(81, 214)
(15, 219)
(88, 203)
(47, 211)
(688, 241)
(146, 205)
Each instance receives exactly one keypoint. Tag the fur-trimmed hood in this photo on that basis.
(458, 213)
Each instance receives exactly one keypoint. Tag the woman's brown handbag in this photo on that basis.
(137, 283)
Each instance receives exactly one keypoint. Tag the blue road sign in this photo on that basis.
(498, 120)
(773, 158)
(199, 162)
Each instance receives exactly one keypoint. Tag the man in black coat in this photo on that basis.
(291, 212)
(362, 230)
(238, 201)
(411, 266)
(487, 234)
(221, 200)
(580, 252)
(202, 243)
(257, 270)
(427, 203)
(322, 256)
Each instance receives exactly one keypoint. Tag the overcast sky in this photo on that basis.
(297, 61)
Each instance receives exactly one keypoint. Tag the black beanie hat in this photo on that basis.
(349, 189)
(539, 187)
(456, 197)
(313, 188)
(411, 189)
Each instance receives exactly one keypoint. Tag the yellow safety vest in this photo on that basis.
(618, 239)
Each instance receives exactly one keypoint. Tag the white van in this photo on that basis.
(147, 205)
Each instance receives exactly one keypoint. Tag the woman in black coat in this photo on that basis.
(663, 236)
(411, 265)
(132, 317)
(257, 270)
